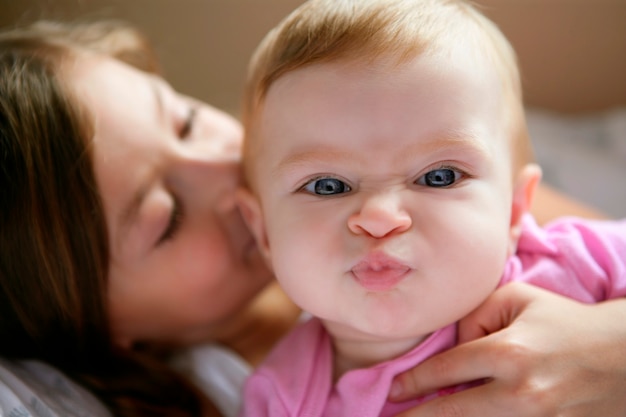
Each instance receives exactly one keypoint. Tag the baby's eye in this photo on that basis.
(327, 186)
(441, 177)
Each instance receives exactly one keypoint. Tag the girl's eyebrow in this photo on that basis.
(130, 209)
(158, 97)
(130, 212)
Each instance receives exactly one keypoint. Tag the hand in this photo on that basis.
(543, 356)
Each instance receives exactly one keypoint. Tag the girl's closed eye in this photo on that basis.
(174, 222)
(326, 186)
(187, 127)
(442, 177)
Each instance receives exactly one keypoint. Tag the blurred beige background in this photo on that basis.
(572, 55)
(572, 52)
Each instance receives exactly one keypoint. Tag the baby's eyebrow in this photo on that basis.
(316, 154)
(465, 141)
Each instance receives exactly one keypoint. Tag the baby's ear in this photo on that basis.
(252, 214)
(523, 194)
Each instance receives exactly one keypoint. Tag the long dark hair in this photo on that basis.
(54, 252)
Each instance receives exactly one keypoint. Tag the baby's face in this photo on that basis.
(386, 192)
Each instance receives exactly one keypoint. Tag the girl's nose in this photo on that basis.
(202, 175)
(380, 216)
(217, 146)
(219, 135)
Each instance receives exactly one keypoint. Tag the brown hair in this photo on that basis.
(54, 252)
(364, 30)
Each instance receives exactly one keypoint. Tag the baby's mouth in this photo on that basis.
(379, 272)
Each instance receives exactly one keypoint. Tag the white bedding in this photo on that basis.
(583, 155)
(219, 372)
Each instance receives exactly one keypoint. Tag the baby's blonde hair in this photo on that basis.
(321, 31)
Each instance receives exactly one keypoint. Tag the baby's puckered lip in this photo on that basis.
(379, 272)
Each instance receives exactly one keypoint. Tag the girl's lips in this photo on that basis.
(379, 272)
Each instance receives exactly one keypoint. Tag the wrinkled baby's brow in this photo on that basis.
(469, 142)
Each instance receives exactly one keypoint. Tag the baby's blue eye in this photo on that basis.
(327, 186)
(442, 177)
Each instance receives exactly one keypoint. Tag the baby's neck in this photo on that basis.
(352, 354)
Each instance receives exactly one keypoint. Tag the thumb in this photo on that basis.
(497, 312)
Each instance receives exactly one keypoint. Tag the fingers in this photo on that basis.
(464, 404)
(497, 312)
(449, 368)
(475, 359)
(537, 366)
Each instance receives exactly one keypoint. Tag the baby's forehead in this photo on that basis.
(466, 76)
(392, 67)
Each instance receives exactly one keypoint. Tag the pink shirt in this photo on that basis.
(583, 260)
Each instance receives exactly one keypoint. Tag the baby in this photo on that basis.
(389, 180)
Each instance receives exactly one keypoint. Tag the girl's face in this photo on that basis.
(182, 261)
